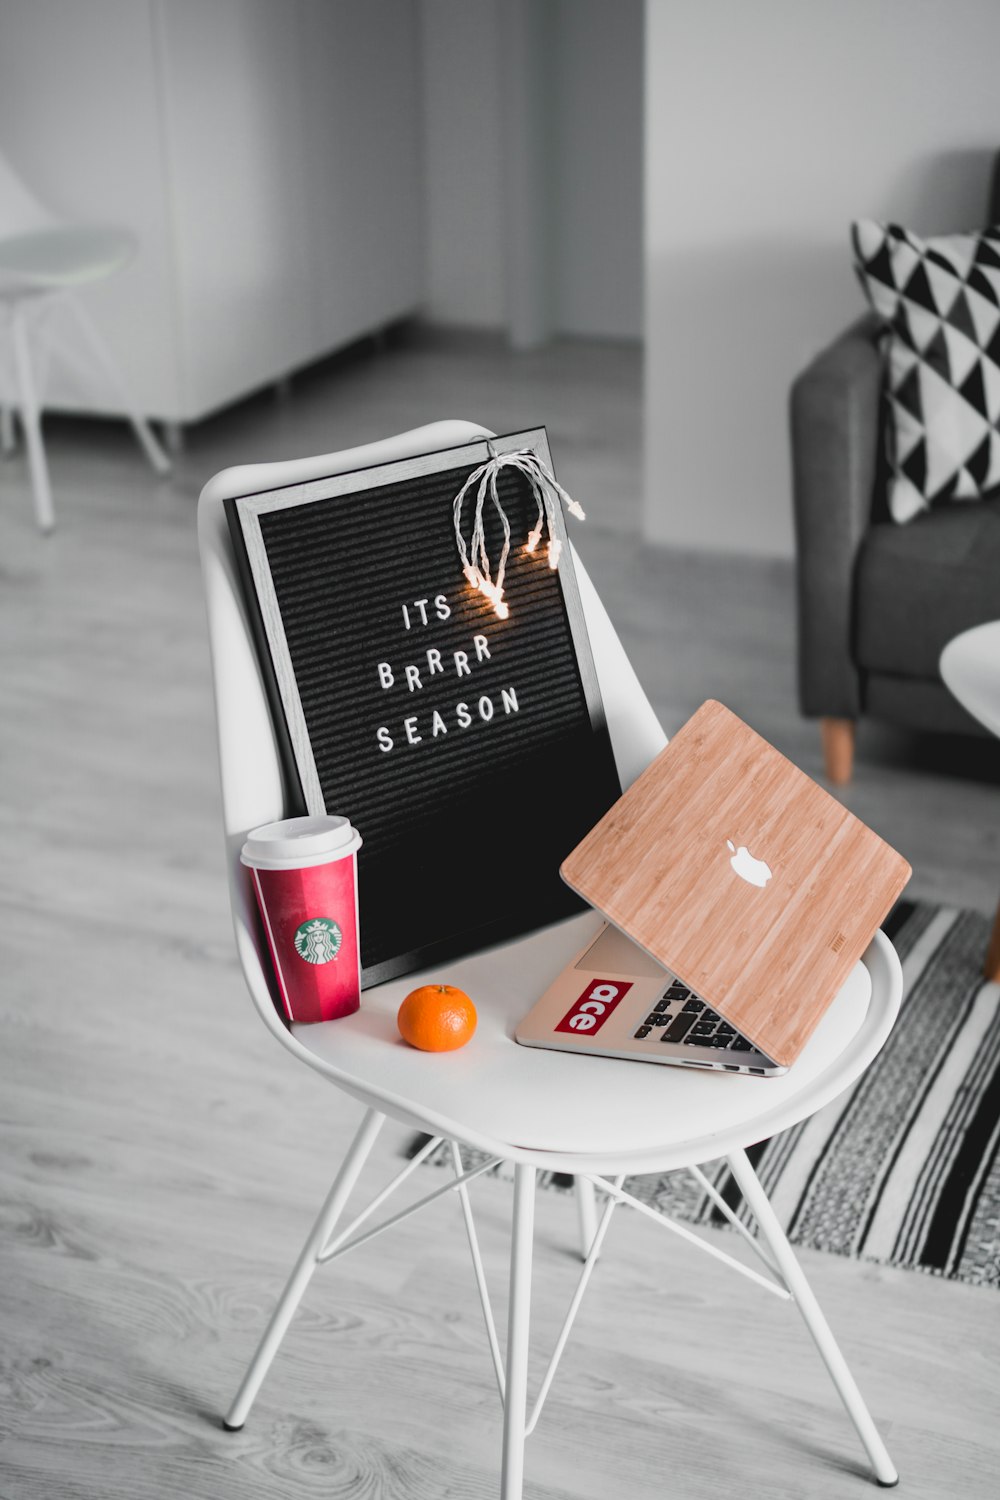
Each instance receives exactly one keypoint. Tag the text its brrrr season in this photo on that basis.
(418, 728)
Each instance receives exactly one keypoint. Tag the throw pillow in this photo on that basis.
(940, 300)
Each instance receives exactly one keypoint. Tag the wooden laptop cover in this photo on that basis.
(659, 865)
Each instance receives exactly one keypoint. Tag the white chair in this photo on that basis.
(42, 263)
(494, 1093)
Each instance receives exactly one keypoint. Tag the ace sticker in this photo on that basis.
(589, 1013)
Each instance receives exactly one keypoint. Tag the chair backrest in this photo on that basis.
(249, 759)
(20, 212)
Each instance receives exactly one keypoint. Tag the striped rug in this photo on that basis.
(904, 1168)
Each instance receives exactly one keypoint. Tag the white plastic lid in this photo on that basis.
(299, 842)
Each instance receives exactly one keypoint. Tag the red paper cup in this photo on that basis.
(305, 873)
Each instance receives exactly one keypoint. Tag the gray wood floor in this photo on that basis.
(162, 1159)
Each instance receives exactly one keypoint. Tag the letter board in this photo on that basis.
(471, 753)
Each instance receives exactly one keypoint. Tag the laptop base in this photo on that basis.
(614, 1000)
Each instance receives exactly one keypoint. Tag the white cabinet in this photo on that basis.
(266, 153)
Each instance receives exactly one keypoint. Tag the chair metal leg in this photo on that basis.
(795, 1280)
(157, 458)
(174, 437)
(31, 420)
(586, 1210)
(8, 437)
(518, 1322)
(304, 1268)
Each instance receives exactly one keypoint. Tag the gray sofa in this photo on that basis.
(876, 602)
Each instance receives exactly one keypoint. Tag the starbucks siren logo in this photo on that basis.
(318, 940)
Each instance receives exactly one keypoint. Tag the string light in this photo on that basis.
(547, 492)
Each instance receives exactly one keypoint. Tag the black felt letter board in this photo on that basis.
(470, 752)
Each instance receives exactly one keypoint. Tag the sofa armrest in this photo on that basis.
(835, 430)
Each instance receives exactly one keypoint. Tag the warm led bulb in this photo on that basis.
(555, 547)
(575, 509)
(534, 537)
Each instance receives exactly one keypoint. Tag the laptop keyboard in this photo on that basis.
(679, 1016)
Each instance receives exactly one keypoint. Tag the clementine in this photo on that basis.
(436, 1018)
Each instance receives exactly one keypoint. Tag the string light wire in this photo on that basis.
(548, 494)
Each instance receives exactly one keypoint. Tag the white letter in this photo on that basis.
(410, 725)
(486, 717)
(434, 661)
(509, 700)
(463, 715)
(581, 1023)
(441, 606)
(462, 664)
(421, 604)
(438, 726)
(413, 678)
(384, 738)
(482, 648)
(406, 617)
(385, 676)
(603, 992)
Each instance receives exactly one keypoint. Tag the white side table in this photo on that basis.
(970, 668)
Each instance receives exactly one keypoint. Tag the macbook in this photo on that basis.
(739, 895)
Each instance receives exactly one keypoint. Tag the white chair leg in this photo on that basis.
(586, 1211)
(174, 437)
(518, 1323)
(795, 1280)
(142, 429)
(304, 1268)
(31, 420)
(8, 437)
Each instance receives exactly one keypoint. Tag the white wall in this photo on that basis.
(593, 153)
(597, 125)
(769, 127)
(463, 162)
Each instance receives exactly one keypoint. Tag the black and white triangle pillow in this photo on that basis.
(940, 300)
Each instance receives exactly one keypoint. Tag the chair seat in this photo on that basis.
(619, 1115)
(921, 584)
(63, 256)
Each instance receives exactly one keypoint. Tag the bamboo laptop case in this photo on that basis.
(735, 871)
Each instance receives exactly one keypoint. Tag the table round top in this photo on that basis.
(970, 669)
(567, 1111)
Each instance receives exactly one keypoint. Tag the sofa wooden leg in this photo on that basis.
(838, 749)
(991, 966)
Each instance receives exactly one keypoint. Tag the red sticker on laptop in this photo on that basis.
(588, 1014)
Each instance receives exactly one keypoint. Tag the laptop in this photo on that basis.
(738, 896)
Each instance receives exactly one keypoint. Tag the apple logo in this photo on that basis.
(753, 871)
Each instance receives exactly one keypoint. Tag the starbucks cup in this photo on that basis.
(305, 873)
